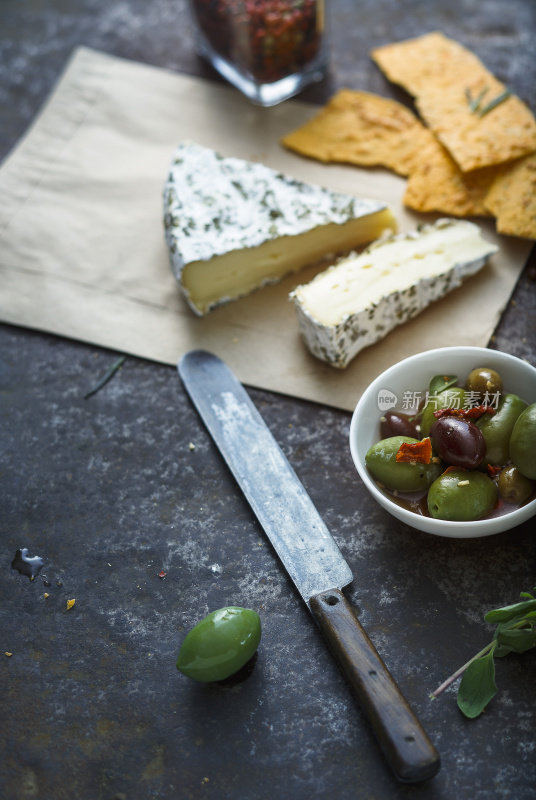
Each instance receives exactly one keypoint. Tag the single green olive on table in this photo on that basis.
(469, 453)
(220, 644)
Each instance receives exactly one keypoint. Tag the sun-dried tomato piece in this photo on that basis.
(475, 412)
(416, 452)
(493, 470)
(452, 468)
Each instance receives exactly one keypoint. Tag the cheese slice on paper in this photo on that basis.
(359, 299)
(233, 225)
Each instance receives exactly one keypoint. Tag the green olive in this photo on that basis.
(523, 442)
(449, 398)
(513, 486)
(485, 381)
(461, 495)
(220, 644)
(497, 429)
(401, 476)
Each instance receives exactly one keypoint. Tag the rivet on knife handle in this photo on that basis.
(405, 744)
(308, 552)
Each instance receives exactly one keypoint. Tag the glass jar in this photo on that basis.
(268, 49)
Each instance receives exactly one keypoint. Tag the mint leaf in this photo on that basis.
(477, 686)
(518, 640)
(441, 382)
(515, 632)
(510, 612)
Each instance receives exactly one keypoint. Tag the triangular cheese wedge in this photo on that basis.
(233, 226)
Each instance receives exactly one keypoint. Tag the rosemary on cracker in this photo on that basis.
(475, 103)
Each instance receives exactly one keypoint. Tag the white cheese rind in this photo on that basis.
(374, 292)
(216, 208)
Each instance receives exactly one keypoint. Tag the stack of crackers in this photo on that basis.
(470, 152)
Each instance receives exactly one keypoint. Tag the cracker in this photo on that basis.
(368, 130)
(360, 128)
(438, 185)
(429, 60)
(444, 77)
(512, 198)
(505, 133)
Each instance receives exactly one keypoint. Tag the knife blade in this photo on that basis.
(310, 555)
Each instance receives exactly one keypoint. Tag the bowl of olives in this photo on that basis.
(445, 441)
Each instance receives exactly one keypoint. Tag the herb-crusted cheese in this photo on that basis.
(358, 300)
(233, 225)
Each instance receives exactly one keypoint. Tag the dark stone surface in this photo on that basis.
(109, 491)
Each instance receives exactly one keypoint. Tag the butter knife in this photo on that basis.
(310, 555)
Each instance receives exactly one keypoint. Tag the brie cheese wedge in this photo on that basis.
(232, 225)
(362, 297)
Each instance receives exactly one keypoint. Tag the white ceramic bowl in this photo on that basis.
(413, 375)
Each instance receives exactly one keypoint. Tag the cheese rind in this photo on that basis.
(360, 299)
(233, 225)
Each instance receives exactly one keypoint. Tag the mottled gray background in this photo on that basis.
(108, 491)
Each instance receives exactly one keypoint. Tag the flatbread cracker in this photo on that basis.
(429, 60)
(444, 77)
(505, 133)
(357, 127)
(512, 198)
(364, 129)
(437, 184)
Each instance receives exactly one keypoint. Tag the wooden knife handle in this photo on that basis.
(405, 744)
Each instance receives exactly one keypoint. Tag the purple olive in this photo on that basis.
(458, 442)
(394, 423)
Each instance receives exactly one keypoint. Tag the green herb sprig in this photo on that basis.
(108, 376)
(440, 383)
(515, 632)
(475, 103)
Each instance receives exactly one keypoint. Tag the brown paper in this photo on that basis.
(82, 250)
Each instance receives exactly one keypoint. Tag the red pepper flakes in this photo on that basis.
(475, 412)
(415, 452)
(267, 39)
(162, 574)
(452, 468)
